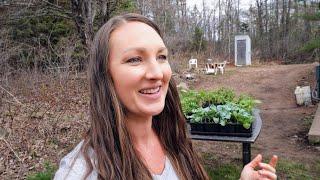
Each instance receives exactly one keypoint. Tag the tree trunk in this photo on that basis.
(260, 28)
(276, 31)
(219, 21)
(307, 26)
(83, 17)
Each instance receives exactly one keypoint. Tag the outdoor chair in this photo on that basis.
(210, 69)
(193, 62)
(221, 66)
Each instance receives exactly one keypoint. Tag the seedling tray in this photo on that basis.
(217, 129)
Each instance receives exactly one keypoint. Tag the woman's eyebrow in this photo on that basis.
(163, 49)
(141, 49)
(135, 49)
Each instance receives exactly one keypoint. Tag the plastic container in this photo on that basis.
(218, 130)
(303, 95)
(306, 95)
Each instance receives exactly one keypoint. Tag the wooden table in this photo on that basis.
(246, 141)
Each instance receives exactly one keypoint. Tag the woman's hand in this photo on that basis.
(264, 172)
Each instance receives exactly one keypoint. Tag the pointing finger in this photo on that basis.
(273, 161)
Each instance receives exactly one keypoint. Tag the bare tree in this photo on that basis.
(84, 12)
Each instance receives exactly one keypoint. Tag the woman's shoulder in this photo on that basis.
(74, 166)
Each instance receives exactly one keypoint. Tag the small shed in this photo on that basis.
(242, 52)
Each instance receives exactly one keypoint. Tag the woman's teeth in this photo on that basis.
(150, 91)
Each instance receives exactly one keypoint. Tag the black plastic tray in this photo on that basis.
(217, 129)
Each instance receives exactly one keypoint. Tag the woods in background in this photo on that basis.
(42, 35)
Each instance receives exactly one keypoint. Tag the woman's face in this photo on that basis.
(139, 68)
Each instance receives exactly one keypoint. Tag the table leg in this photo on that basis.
(246, 153)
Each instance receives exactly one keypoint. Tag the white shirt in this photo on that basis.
(168, 172)
(77, 170)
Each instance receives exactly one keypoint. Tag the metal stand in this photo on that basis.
(246, 141)
(246, 153)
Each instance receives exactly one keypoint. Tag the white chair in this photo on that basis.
(210, 70)
(221, 66)
(193, 62)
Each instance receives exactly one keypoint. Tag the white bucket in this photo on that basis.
(306, 95)
(303, 95)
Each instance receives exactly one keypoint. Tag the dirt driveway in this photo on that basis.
(285, 125)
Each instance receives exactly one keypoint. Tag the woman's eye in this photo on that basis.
(134, 60)
(162, 57)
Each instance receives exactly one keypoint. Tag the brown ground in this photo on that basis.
(47, 116)
(285, 125)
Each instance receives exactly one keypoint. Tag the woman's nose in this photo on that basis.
(154, 70)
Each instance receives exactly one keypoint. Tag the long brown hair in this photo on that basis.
(114, 154)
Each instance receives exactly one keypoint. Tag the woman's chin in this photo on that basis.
(153, 110)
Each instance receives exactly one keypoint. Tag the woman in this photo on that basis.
(137, 126)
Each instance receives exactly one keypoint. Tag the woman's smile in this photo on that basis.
(150, 90)
(151, 93)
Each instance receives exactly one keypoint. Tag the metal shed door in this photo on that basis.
(241, 52)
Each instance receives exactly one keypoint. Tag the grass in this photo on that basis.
(317, 168)
(225, 172)
(217, 170)
(293, 170)
(46, 174)
(307, 121)
(286, 169)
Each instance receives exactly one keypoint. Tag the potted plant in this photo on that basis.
(218, 112)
